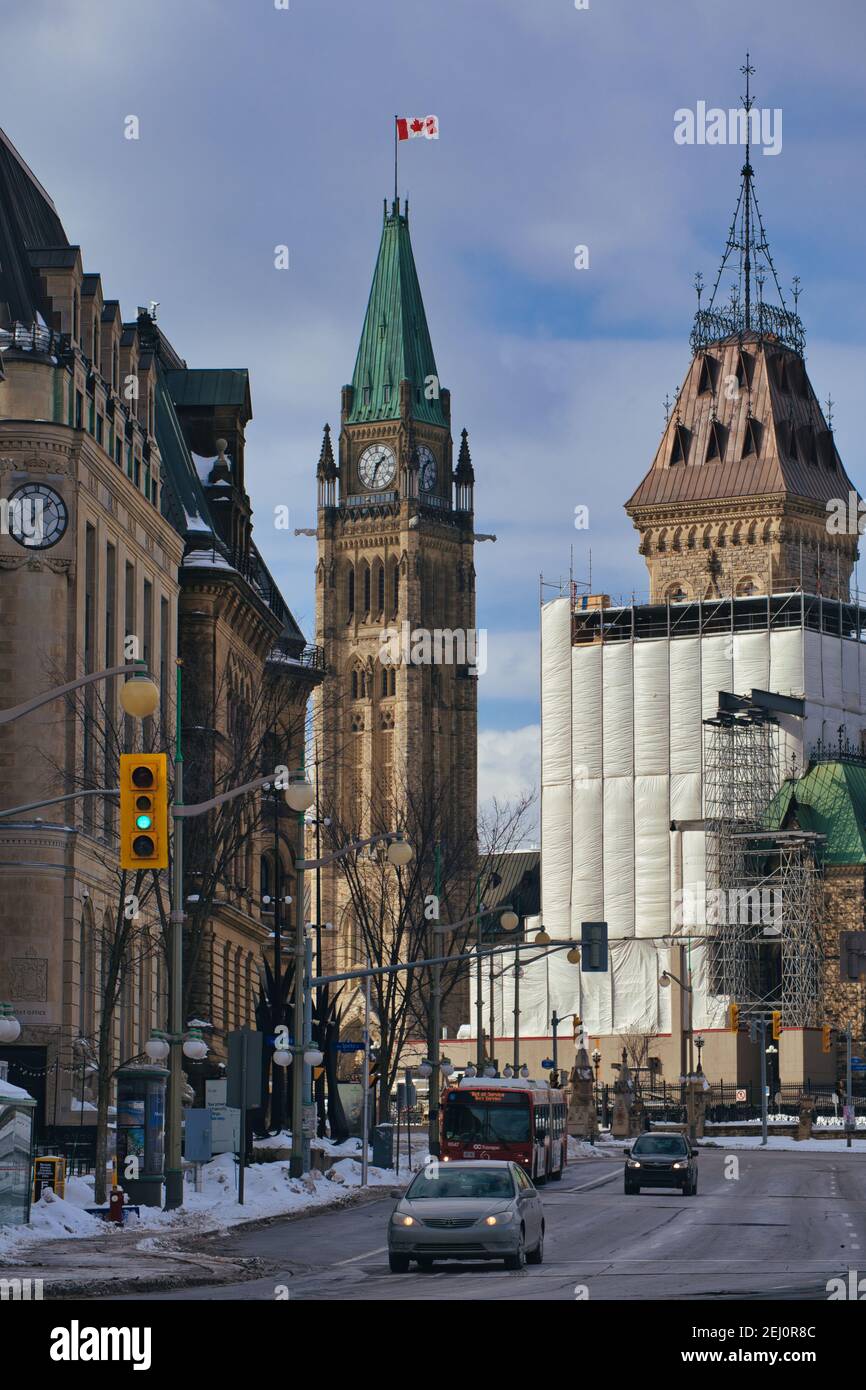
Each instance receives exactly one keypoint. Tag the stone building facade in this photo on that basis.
(137, 464)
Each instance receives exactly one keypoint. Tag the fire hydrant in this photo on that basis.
(115, 1204)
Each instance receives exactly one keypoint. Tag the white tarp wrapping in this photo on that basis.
(709, 1010)
(557, 839)
(556, 692)
(686, 796)
(685, 712)
(831, 660)
(596, 995)
(716, 671)
(618, 716)
(587, 878)
(851, 672)
(751, 662)
(586, 735)
(636, 986)
(652, 855)
(619, 891)
(622, 757)
(786, 662)
(652, 708)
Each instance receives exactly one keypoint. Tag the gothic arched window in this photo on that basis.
(350, 592)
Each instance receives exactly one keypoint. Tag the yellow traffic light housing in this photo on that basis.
(776, 1019)
(734, 1017)
(144, 810)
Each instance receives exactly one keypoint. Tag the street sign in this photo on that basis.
(197, 1136)
(349, 1046)
(251, 1064)
(215, 1092)
(547, 1064)
(308, 1121)
(225, 1129)
(741, 1094)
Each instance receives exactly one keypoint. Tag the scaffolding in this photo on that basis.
(764, 889)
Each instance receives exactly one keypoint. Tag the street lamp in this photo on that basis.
(542, 938)
(195, 1047)
(424, 1070)
(281, 1058)
(509, 920)
(156, 1048)
(665, 982)
(300, 794)
(10, 1028)
(573, 956)
(399, 852)
(139, 697)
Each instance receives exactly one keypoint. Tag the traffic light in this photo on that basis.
(144, 810)
(826, 1037)
(734, 1017)
(593, 947)
(776, 1020)
(852, 955)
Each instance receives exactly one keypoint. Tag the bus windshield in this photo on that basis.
(473, 1118)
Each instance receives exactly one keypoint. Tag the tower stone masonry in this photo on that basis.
(395, 556)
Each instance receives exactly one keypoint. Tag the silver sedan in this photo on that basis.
(484, 1210)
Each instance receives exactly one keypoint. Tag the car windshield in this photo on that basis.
(668, 1145)
(479, 1121)
(462, 1182)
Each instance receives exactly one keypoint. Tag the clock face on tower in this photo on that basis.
(426, 468)
(377, 466)
(37, 516)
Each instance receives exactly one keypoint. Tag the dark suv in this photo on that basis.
(661, 1160)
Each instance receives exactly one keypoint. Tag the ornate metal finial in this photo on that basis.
(796, 291)
(747, 254)
(699, 287)
(829, 411)
(667, 403)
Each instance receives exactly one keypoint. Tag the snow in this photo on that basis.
(10, 1092)
(269, 1191)
(203, 465)
(782, 1141)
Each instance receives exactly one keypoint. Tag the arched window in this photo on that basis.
(380, 588)
(350, 592)
(265, 877)
(85, 972)
(366, 588)
(392, 682)
(384, 680)
(226, 998)
(355, 683)
(395, 585)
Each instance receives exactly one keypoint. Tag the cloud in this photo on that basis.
(508, 762)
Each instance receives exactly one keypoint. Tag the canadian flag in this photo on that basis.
(411, 127)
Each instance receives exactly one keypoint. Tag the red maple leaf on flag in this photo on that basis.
(417, 125)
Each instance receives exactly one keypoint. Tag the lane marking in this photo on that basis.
(354, 1258)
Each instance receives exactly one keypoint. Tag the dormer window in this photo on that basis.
(716, 441)
(745, 370)
(707, 380)
(680, 444)
(752, 439)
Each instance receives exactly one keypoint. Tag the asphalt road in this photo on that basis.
(781, 1228)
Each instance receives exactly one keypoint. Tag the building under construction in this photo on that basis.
(691, 797)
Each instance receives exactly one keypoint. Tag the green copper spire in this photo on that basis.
(395, 343)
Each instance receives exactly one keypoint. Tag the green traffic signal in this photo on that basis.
(143, 822)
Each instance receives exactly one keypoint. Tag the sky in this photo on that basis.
(266, 123)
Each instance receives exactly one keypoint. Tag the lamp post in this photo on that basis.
(300, 796)
(596, 1063)
(665, 980)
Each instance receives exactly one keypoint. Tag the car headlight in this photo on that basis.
(400, 1220)
(633, 1163)
(501, 1220)
(681, 1165)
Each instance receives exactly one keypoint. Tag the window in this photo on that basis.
(350, 591)
(366, 588)
(680, 445)
(380, 587)
(395, 586)
(716, 442)
(79, 410)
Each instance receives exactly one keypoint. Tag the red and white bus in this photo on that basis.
(509, 1119)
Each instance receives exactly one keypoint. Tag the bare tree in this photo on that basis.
(394, 912)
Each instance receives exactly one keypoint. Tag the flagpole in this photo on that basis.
(395, 162)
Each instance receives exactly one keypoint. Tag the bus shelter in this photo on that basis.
(17, 1108)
